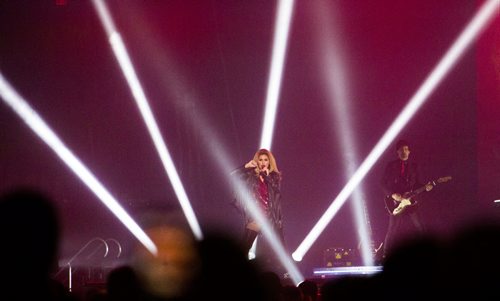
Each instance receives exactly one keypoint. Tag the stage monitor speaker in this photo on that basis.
(339, 257)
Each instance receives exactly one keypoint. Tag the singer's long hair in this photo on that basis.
(272, 161)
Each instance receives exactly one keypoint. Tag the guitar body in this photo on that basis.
(394, 207)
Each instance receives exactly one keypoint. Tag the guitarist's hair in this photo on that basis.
(401, 143)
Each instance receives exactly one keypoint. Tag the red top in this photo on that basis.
(263, 196)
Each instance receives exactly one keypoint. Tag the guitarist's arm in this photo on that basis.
(388, 183)
(418, 182)
(399, 197)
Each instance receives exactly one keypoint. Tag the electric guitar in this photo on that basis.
(397, 207)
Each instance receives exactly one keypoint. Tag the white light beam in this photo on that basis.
(282, 27)
(36, 123)
(472, 30)
(125, 63)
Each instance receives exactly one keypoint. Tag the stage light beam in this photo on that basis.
(219, 154)
(38, 125)
(127, 67)
(175, 86)
(282, 28)
(336, 83)
(471, 31)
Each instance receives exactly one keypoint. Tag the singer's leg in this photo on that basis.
(248, 239)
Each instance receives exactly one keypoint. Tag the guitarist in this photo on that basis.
(401, 176)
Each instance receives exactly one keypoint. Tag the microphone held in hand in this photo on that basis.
(264, 172)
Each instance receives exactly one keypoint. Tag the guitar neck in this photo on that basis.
(422, 189)
(417, 191)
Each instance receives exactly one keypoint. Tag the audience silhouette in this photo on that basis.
(464, 265)
(309, 290)
(123, 285)
(217, 268)
(226, 273)
(29, 227)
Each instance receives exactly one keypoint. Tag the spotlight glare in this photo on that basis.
(296, 257)
(36, 123)
(472, 30)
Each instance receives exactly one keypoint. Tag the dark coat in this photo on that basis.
(394, 182)
(250, 180)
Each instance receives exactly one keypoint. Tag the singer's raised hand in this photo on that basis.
(251, 164)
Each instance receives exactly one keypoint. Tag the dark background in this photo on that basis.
(204, 67)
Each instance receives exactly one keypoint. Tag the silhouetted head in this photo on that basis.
(309, 288)
(123, 284)
(29, 231)
(226, 273)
